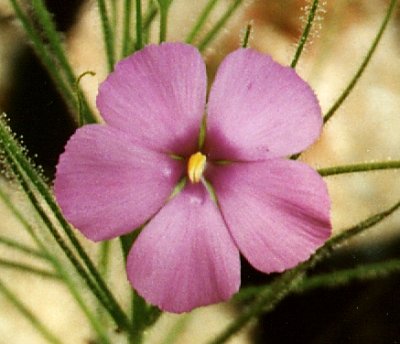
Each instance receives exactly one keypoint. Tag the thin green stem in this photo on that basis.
(286, 283)
(365, 272)
(139, 25)
(246, 37)
(143, 315)
(48, 56)
(138, 306)
(305, 34)
(360, 273)
(22, 248)
(362, 167)
(126, 33)
(104, 257)
(43, 54)
(28, 268)
(81, 100)
(148, 18)
(46, 21)
(164, 8)
(27, 176)
(68, 253)
(177, 330)
(35, 322)
(58, 267)
(200, 21)
(219, 25)
(107, 34)
(113, 21)
(139, 315)
(364, 63)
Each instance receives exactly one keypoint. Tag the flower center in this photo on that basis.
(196, 166)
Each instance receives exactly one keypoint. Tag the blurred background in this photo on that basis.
(366, 128)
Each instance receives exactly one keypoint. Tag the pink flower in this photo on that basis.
(114, 177)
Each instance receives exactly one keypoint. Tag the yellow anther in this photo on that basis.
(196, 166)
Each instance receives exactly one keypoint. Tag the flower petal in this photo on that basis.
(185, 257)
(107, 185)
(277, 211)
(258, 109)
(157, 95)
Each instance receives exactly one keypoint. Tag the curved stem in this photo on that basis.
(305, 34)
(363, 65)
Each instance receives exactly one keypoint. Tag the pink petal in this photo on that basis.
(157, 95)
(277, 211)
(185, 257)
(107, 185)
(258, 109)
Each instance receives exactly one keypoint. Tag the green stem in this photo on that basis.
(139, 25)
(177, 330)
(362, 167)
(360, 273)
(305, 34)
(35, 322)
(138, 305)
(164, 8)
(114, 17)
(58, 267)
(246, 36)
(219, 25)
(333, 279)
(27, 175)
(47, 57)
(104, 257)
(200, 21)
(81, 100)
(363, 65)
(28, 268)
(149, 17)
(22, 248)
(143, 315)
(43, 54)
(45, 20)
(126, 34)
(287, 282)
(107, 34)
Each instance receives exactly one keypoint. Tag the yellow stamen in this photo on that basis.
(196, 166)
